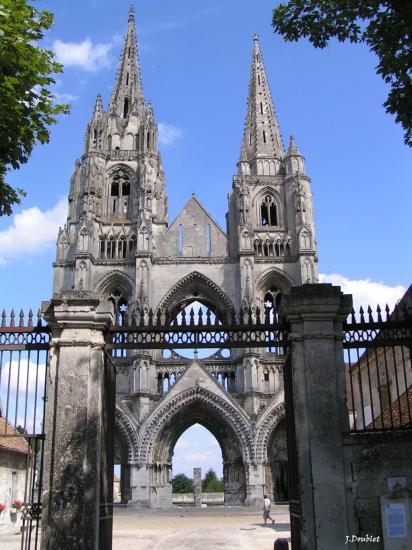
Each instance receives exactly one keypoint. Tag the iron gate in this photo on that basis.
(294, 488)
(24, 345)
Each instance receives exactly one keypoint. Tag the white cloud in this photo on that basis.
(26, 380)
(86, 55)
(366, 292)
(32, 230)
(169, 134)
(65, 97)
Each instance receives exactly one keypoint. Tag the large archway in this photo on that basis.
(227, 424)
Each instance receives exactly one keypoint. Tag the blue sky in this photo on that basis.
(195, 58)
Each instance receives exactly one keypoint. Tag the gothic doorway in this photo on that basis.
(190, 408)
(278, 464)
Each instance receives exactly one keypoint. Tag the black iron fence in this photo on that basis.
(197, 330)
(24, 349)
(377, 346)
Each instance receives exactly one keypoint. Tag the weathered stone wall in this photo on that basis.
(373, 457)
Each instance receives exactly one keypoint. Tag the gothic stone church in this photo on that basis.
(118, 243)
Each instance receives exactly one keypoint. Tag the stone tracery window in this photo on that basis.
(120, 305)
(268, 211)
(119, 199)
(271, 300)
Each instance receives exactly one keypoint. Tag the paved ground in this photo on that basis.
(212, 528)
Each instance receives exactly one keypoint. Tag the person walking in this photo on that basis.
(266, 509)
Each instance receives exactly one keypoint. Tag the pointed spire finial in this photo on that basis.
(98, 105)
(256, 37)
(293, 149)
(131, 12)
(127, 92)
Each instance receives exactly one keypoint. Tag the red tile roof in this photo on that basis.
(397, 414)
(13, 444)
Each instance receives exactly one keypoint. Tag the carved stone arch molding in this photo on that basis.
(265, 428)
(126, 428)
(268, 191)
(117, 167)
(225, 411)
(116, 279)
(195, 285)
(273, 276)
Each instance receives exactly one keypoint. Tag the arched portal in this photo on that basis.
(277, 464)
(227, 424)
(197, 448)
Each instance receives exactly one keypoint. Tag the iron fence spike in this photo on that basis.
(379, 311)
(159, 317)
(388, 312)
(3, 318)
(21, 318)
(12, 315)
(362, 317)
(233, 316)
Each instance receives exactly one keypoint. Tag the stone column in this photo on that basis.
(316, 313)
(125, 489)
(197, 486)
(79, 425)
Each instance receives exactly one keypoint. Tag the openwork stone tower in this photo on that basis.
(117, 243)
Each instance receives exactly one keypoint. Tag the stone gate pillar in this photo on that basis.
(79, 423)
(316, 313)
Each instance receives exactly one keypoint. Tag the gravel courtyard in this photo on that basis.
(233, 528)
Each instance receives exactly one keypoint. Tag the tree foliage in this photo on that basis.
(211, 483)
(182, 484)
(384, 25)
(27, 106)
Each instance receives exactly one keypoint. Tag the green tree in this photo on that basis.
(211, 483)
(384, 25)
(27, 106)
(182, 484)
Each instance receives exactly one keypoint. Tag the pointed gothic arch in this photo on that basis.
(126, 427)
(164, 427)
(114, 280)
(266, 425)
(269, 204)
(197, 287)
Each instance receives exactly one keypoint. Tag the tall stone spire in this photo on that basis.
(261, 139)
(127, 92)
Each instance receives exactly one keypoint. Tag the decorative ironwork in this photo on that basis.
(200, 329)
(379, 372)
(25, 335)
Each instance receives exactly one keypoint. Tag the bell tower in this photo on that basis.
(117, 199)
(270, 218)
